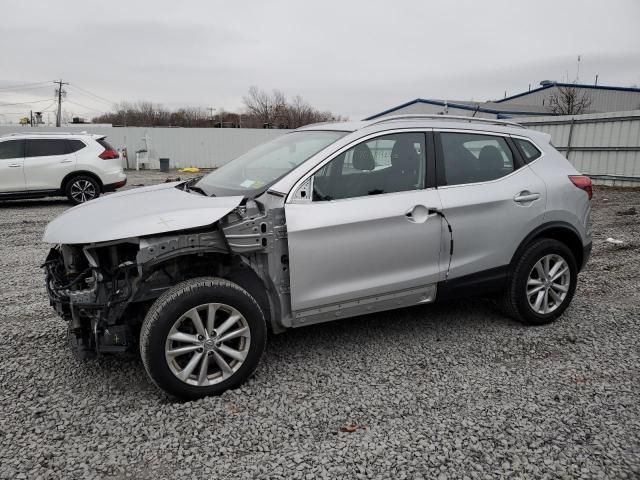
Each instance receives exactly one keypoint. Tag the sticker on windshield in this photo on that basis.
(252, 184)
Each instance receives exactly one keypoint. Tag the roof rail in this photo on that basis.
(434, 116)
(84, 132)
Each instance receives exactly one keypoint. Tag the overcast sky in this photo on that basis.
(354, 58)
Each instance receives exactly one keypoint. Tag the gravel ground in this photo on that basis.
(442, 391)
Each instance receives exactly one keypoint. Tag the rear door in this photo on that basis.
(368, 228)
(47, 162)
(12, 166)
(491, 199)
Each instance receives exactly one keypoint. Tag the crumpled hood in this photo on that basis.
(137, 212)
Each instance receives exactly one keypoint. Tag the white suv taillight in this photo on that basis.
(583, 183)
(109, 154)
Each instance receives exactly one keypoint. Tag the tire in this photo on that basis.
(81, 189)
(172, 315)
(527, 274)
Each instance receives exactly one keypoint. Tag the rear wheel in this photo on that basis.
(81, 189)
(542, 283)
(202, 337)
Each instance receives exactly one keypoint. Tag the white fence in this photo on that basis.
(605, 146)
(198, 147)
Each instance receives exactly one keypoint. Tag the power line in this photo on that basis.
(84, 106)
(87, 92)
(24, 85)
(23, 103)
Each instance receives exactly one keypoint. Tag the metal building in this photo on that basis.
(531, 103)
(603, 98)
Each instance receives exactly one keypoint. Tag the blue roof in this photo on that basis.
(578, 85)
(461, 106)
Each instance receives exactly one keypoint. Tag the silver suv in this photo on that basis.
(327, 222)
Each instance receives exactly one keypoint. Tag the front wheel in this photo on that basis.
(542, 283)
(202, 337)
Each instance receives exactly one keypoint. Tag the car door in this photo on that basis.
(12, 166)
(491, 199)
(368, 228)
(47, 162)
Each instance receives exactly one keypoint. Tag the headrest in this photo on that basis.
(490, 158)
(362, 158)
(404, 155)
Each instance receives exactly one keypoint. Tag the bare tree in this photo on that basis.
(569, 100)
(263, 110)
(267, 108)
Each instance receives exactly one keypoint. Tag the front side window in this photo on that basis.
(43, 147)
(11, 149)
(386, 164)
(262, 166)
(472, 158)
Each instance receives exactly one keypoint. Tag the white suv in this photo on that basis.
(78, 165)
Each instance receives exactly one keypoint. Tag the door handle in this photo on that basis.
(66, 161)
(15, 165)
(420, 213)
(526, 196)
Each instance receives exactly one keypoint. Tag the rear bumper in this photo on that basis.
(111, 187)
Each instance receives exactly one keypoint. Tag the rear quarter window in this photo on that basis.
(74, 145)
(528, 150)
(105, 144)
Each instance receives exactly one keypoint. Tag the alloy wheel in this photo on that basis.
(207, 344)
(548, 284)
(83, 191)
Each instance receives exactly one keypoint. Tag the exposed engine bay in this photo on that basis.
(103, 290)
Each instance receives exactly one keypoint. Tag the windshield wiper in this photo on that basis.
(199, 190)
(189, 185)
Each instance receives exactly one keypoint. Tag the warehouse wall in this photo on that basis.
(199, 147)
(602, 100)
(605, 146)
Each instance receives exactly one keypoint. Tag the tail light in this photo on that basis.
(583, 183)
(109, 154)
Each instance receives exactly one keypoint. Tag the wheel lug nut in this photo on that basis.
(200, 337)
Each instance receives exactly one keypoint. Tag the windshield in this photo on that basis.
(263, 165)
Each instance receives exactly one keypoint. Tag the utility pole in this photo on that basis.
(31, 118)
(60, 83)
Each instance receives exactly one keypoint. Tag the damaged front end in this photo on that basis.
(104, 290)
(91, 294)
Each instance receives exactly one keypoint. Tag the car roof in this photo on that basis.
(94, 136)
(427, 121)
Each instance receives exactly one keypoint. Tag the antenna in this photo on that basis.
(578, 72)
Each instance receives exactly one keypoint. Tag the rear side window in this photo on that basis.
(42, 147)
(472, 158)
(528, 150)
(74, 145)
(11, 149)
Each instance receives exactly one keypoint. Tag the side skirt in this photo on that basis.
(361, 306)
(30, 194)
